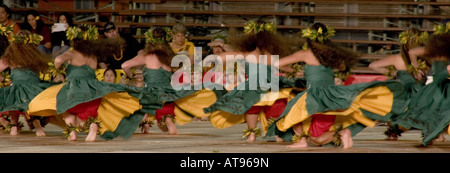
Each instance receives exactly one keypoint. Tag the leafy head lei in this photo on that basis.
(26, 38)
(442, 29)
(258, 26)
(317, 35)
(149, 38)
(410, 36)
(84, 32)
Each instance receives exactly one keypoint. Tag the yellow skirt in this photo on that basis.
(221, 119)
(378, 100)
(113, 107)
(192, 106)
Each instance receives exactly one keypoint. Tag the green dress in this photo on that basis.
(246, 94)
(158, 81)
(411, 85)
(355, 106)
(119, 113)
(25, 86)
(429, 109)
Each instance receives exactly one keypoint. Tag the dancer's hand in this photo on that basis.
(419, 75)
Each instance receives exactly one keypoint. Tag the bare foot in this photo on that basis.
(39, 130)
(300, 144)
(145, 129)
(93, 128)
(440, 138)
(72, 136)
(14, 131)
(171, 126)
(4, 122)
(251, 137)
(346, 138)
(278, 139)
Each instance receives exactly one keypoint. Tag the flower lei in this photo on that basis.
(298, 67)
(52, 71)
(256, 27)
(24, 39)
(442, 29)
(342, 74)
(150, 39)
(422, 67)
(246, 133)
(6, 30)
(91, 32)
(85, 128)
(406, 37)
(317, 35)
(6, 79)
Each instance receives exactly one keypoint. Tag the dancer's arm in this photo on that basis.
(283, 63)
(3, 65)
(127, 65)
(414, 53)
(395, 60)
(59, 60)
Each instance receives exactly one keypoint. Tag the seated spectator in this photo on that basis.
(58, 36)
(129, 49)
(179, 44)
(5, 18)
(34, 24)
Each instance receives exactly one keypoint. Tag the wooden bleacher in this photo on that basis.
(383, 18)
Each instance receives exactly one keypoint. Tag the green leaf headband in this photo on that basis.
(318, 35)
(26, 38)
(150, 39)
(256, 27)
(408, 37)
(91, 33)
(442, 29)
(6, 30)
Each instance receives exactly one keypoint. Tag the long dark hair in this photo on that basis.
(438, 46)
(26, 55)
(265, 41)
(39, 23)
(330, 54)
(410, 44)
(161, 49)
(100, 49)
(4, 43)
(68, 18)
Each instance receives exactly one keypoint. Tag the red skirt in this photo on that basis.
(320, 124)
(86, 110)
(168, 109)
(273, 111)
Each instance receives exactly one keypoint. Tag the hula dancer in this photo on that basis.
(412, 48)
(429, 110)
(25, 62)
(326, 112)
(85, 103)
(179, 105)
(249, 101)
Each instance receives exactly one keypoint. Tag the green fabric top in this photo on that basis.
(429, 109)
(26, 86)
